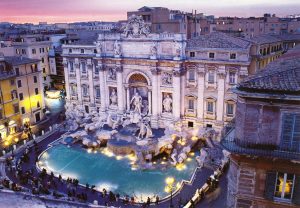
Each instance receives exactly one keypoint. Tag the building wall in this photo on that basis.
(248, 181)
(190, 93)
(260, 122)
(32, 91)
(36, 50)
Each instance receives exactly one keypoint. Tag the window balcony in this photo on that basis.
(210, 115)
(86, 98)
(74, 97)
(97, 100)
(191, 83)
(190, 112)
(84, 76)
(236, 146)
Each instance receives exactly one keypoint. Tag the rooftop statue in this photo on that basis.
(136, 27)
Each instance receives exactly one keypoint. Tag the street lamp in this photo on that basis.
(170, 187)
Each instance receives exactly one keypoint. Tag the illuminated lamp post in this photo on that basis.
(170, 187)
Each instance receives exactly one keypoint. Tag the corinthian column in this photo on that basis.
(91, 83)
(201, 83)
(102, 87)
(154, 92)
(221, 92)
(176, 93)
(120, 89)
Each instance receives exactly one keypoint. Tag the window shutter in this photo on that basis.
(296, 192)
(270, 185)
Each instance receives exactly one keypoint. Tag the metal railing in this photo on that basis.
(236, 146)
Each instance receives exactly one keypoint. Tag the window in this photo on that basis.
(191, 104)
(86, 108)
(290, 136)
(211, 76)
(210, 106)
(81, 50)
(192, 75)
(190, 124)
(284, 186)
(34, 79)
(211, 55)
(17, 71)
(13, 94)
(23, 110)
(73, 90)
(232, 78)
(34, 68)
(192, 54)
(98, 92)
(85, 90)
(96, 70)
(36, 90)
(233, 56)
(229, 109)
(16, 108)
(71, 64)
(19, 83)
(21, 96)
(83, 67)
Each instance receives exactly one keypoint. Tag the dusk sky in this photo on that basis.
(51, 11)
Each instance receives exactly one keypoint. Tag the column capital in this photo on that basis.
(119, 68)
(90, 66)
(221, 72)
(177, 72)
(155, 71)
(101, 67)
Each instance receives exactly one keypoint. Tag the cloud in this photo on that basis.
(79, 10)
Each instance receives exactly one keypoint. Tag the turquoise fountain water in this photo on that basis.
(110, 172)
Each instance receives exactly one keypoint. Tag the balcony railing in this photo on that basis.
(7, 74)
(235, 146)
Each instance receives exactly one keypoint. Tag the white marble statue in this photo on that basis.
(153, 50)
(167, 103)
(113, 98)
(136, 100)
(112, 74)
(166, 78)
(149, 132)
(117, 48)
(99, 47)
(143, 130)
(177, 46)
(136, 27)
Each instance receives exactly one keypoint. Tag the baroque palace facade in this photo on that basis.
(176, 79)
